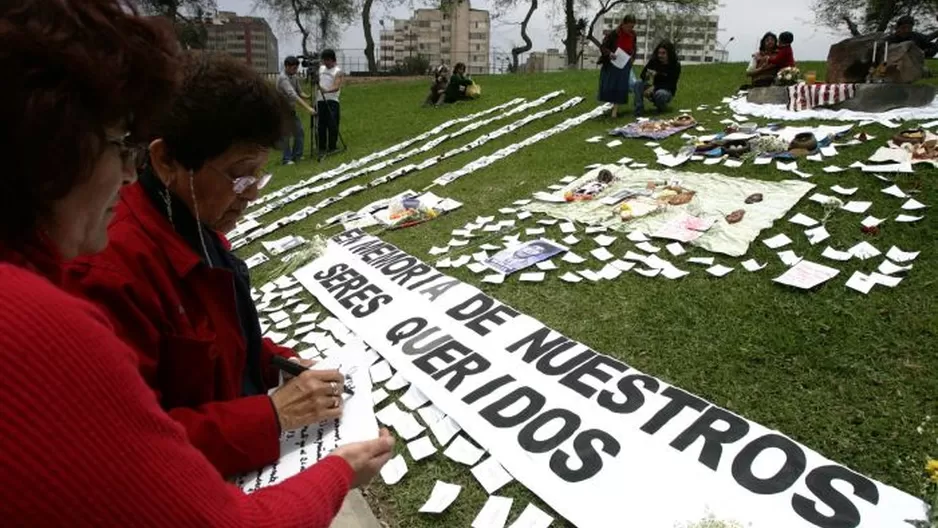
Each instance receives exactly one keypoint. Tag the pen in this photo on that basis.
(295, 369)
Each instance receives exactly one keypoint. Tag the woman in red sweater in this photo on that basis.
(174, 291)
(83, 440)
(614, 81)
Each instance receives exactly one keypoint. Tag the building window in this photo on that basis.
(708, 59)
(423, 23)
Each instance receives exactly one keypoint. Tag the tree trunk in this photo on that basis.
(887, 9)
(299, 24)
(369, 40)
(517, 51)
(852, 26)
(572, 34)
(599, 15)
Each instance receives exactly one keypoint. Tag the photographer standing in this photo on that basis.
(327, 102)
(288, 84)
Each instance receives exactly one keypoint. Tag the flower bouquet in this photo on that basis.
(930, 496)
(788, 76)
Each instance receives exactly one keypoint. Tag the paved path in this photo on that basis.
(355, 513)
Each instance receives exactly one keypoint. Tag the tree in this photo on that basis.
(327, 16)
(866, 16)
(187, 17)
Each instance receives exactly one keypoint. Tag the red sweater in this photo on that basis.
(784, 57)
(83, 441)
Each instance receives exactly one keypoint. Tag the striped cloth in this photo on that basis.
(805, 97)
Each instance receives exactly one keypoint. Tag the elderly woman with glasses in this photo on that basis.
(178, 296)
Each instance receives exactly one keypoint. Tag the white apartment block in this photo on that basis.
(694, 37)
(458, 34)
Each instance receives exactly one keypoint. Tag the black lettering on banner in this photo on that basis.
(428, 280)
(545, 366)
(574, 380)
(373, 296)
(405, 329)
(342, 288)
(460, 370)
(846, 514)
(415, 271)
(571, 422)
(366, 246)
(477, 315)
(634, 397)
(414, 347)
(591, 460)
(441, 353)
(349, 237)
(389, 259)
(487, 389)
(373, 304)
(383, 250)
(537, 344)
(398, 264)
(433, 292)
(788, 474)
(714, 438)
(493, 412)
(679, 401)
(330, 272)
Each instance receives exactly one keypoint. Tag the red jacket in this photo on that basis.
(784, 57)
(180, 318)
(83, 441)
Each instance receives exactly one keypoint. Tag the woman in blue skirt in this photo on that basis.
(613, 81)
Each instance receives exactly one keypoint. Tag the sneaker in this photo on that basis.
(291, 162)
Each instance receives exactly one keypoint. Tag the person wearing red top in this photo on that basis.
(784, 57)
(614, 82)
(83, 439)
(174, 291)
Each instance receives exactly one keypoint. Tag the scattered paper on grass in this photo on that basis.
(675, 248)
(844, 190)
(719, 270)
(413, 398)
(864, 250)
(806, 275)
(786, 167)
(788, 257)
(568, 227)
(546, 265)
(829, 151)
(605, 240)
(494, 514)
(831, 169)
(777, 241)
(637, 236)
(532, 517)
(535, 276)
(733, 163)
(589, 275)
(521, 202)
(712, 161)
(802, 219)
(894, 190)
(460, 261)
(885, 280)
(857, 207)
(568, 179)
(897, 255)
(595, 139)
(463, 451)
(491, 475)
(379, 396)
(494, 278)
(822, 199)
(631, 255)
(571, 240)
(489, 247)
(394, 470)
(871, 221)
(507, 210)
(444, 430)
(887, 267)
(907, 219)
(752, 265)
(648, 247)
(602, 254)
(380, 371)
(706, 261)
(860, 282)
(913, 205)
(815, 157)
(762, 160)
(572, 258)
(834, 254)
(441, 497)
(622, 265)
(610, 272)
(817, 235)
(647, 272)
(625, 161)
(591, 230)
(614, 143)
(421, 448)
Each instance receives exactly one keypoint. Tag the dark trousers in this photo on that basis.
(328, 125)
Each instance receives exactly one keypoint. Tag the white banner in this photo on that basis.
(602, 443)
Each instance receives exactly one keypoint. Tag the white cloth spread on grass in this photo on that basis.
(781, 111)
(600, 442)
(716, 196)
(807, 96)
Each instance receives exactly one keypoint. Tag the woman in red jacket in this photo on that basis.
(83, 440)
(614, 82)
(179, 297)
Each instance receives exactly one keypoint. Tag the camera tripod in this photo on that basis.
(314, 126)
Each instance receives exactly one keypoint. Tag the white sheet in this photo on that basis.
(781, 111)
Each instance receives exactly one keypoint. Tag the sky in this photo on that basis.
(745, 21)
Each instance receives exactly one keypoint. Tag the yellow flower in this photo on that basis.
(932, 469)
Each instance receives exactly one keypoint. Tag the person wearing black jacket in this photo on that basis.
(658, 81)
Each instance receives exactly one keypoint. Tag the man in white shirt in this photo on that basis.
(327, 102)
(288, 84)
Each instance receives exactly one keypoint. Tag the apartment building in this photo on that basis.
(247, 38)
(695, 37)
(457, 34)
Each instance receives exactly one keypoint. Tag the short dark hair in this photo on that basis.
(668, 47)
(459, 66)
(72, 68)
(222, 101)
(327, 55)
(628, 19)
(905, 20)
(291, 61)
(786, 37)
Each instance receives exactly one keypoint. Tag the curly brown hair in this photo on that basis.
(222, 101)
(71, 68)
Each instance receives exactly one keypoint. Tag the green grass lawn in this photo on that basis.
(848, 375)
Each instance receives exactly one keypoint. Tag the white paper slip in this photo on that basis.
(568, 227)
(625, 161)
(637, 236)
(572, 258)
(614, 143)
(806, 275)
(907, 219)
(477, 267)
(491, 475)
(397, 382)
(592, 230)
(444, 430)
(536, 276)
(570, 240)
(269, 287)
(631, 255)
(675, 248)
(821, 198)
(817, 235)
(430, 414)
(421, 448)
(568, 179)
(733, 163)
(279, 316)
(844, 190)
(601, 253)
(390, 414)
(460, 261)
(829, 151)
(489, 247)
(712, 161)
(494, 514)
(456, 242)
(652, 144)
(521, 202)
(913, 205)
(286, 323)
(523, 215)
(871, 221)
(407, 426)
(546, 265)
(830, 169)
(885, 280)
(889, 268)
(594, 139)
(786, 167)
(413, 398)
(494, 278)
(857, 207)
(548, 221)
(752, 265)
(532, 517)
(605, 240)
(463, 451)
(660, 151)
(647, 247)
(507, 210)
(777, 241)
(802, 219)
(897, 255)
(864, 250)
(570, 277)
(380, 371)
(762, 160)
(789, 258)
(531, 231)
(255, 260)
(895, 191)
(860, 282)
(647, 272)
(610, 272)
(719, 270)
(394, 470)
(706, 261)
(438, 250)
(441, 497)
(833, 254)
(814, 157)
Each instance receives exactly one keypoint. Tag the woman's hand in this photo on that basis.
(367, 458)
(309, 398)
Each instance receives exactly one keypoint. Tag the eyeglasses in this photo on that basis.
(131, 154)
(239, 184)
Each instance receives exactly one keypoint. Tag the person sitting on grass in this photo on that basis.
(784, 57)
(904, 33)
(456, 91)
(658, 81)
(438, 87)
(761, 70)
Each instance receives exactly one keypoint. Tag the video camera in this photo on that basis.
(311, 64)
